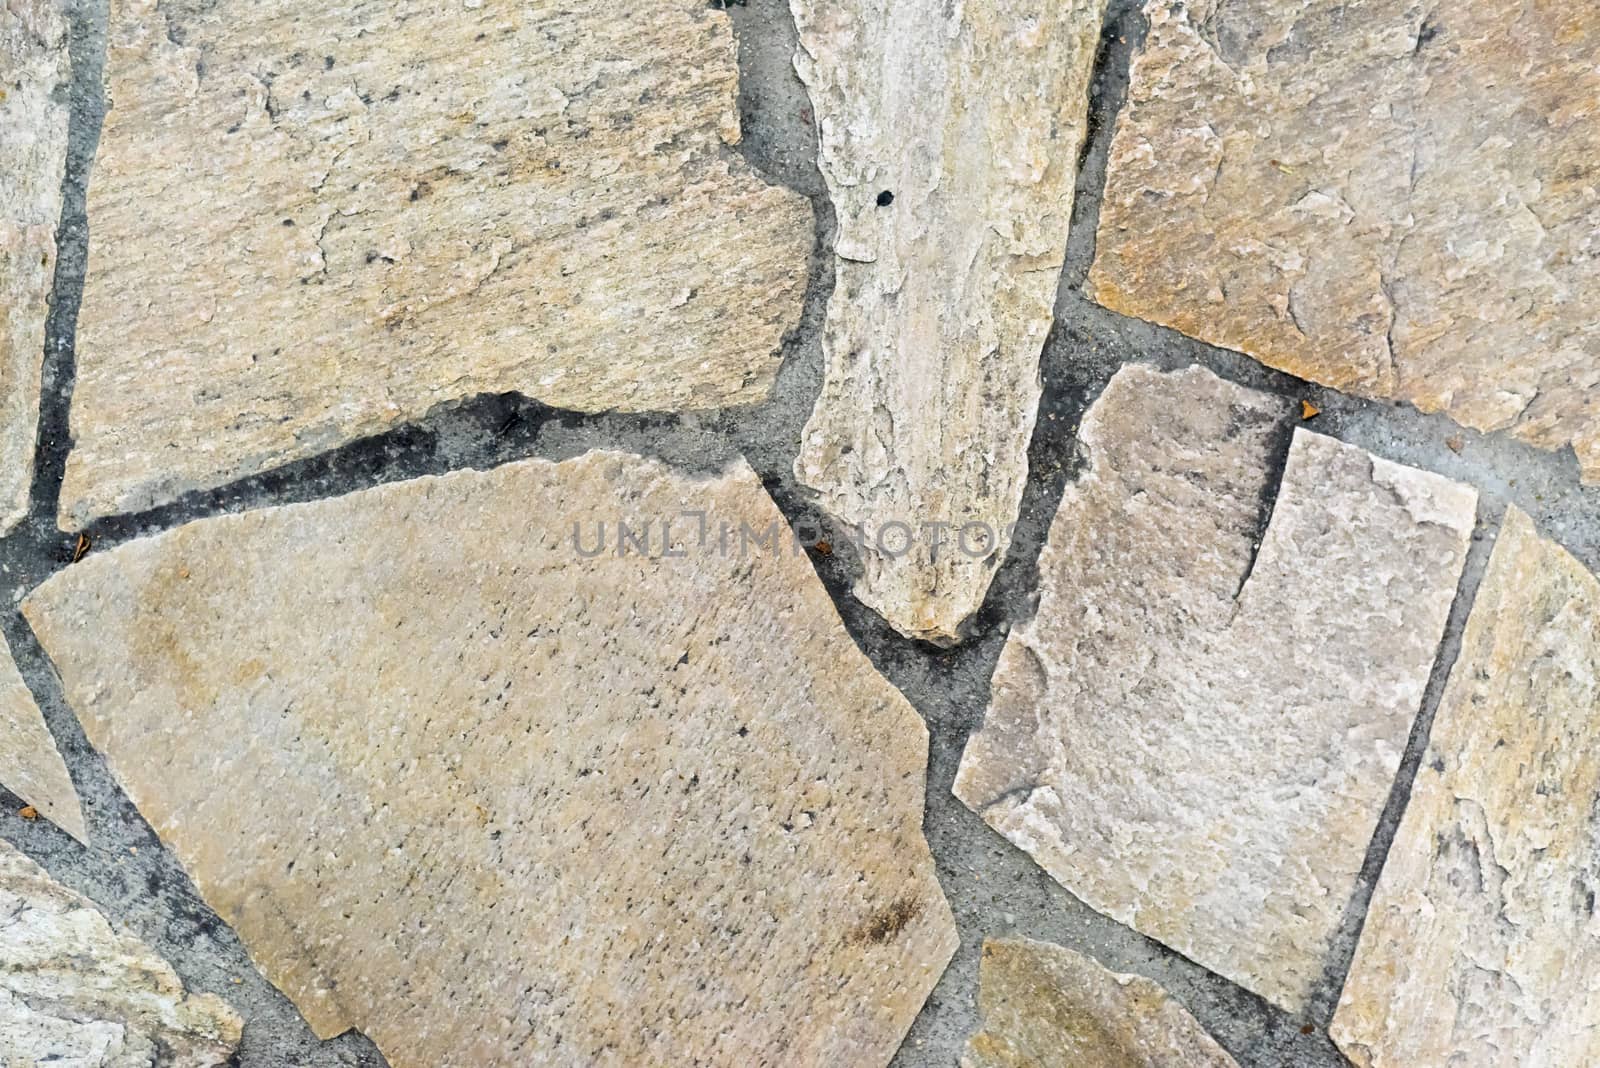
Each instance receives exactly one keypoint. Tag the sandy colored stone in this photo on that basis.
(1045, 1006)
(30, 764)
(1197, 737)
(1391, 197)
(971, 116)
(1481, 947)
(313, 223)
(76, 993)
(33, 158)
(494, 802)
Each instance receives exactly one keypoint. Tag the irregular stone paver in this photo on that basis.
(1045, 1006)
(970, 117)
(497, 802)
(1481, 946)
(30, 764)
(314, 223)
(1197, 738)
(1394, 199)
(76, 993)
(33, 159)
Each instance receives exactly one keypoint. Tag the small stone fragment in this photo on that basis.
(33, 160)
(500, 788)
(30, 764)
(313, 223)
(1481, 945)
(1045, 1006)
(1196, 736)
(75, 992)
(1309, 410)
(950, 136)
(1397, 200)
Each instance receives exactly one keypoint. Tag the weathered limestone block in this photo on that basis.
(950, 137)
(75, 992)
(30, 764)
(312, 223)
(1194, 736)
(495, 801)
(1045, 1006)
(1481, 946)
(33, 159)
(1394, 198)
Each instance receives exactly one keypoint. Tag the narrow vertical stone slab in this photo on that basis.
(314, 223)
(950, 136)
(499, 790)
(75, 992)
(1194, 735)
(1394, 199)
(1481, 946)
(30, 764)
(33, 159)
(1045, 1006)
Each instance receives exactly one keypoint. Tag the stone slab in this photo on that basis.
(498, 797)
(1393, 198)
(1199, 728)
(950, 137)
(313, 224)
(34, 68)
(1481, 946)
(74, 992)
(30, 764)
(1044, 1006)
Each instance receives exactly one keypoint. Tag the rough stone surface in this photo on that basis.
(1391, 197)
(313, 224)
(33, 157)
(1197, 737)
(1045, 1006)
(495, 802)
(74, 993)
(971, 118)
(1481, 946)
(30, 764)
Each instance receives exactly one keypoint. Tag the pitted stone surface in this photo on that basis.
(314, 223)
(33, 158)
(76, 993)
(1390, 197)
(30, 764)
(494, 801)
(1045, 1006)
(1481, 946)
(950, 136)
(1196, 737)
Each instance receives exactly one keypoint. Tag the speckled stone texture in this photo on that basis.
(1396, 198)
(33, 158)
(950, 137)
(74, 993)
(497, 802)
(1481, 947)
(1194, 736)
(1045, 1006)
(314, 223)
(30, 764)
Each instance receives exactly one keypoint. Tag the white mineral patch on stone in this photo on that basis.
(30, 764)
(496, 802)
(1194, 736)
(1395, 199)
(1481, 947)
(33, 158)
(314, 222)
(76, 993)
(971, 118)
(1045, 1006)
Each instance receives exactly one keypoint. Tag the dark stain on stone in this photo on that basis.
(885, 925)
